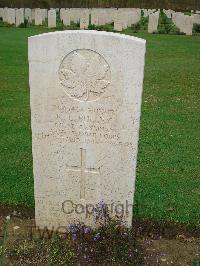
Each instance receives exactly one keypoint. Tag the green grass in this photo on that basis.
(168, 173)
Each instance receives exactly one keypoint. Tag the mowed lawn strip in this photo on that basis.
(168, 172)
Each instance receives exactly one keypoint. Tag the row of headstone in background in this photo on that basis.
(122, 17)
(38, 16)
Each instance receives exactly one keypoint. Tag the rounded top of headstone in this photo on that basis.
(90, 32)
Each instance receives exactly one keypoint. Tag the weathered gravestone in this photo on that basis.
(153, 22)
(183, 22)
(27, 14)
(38, 16)
(94, 17)
(44, 14)
(75, 14)
(84, 20)
(119, 21)
(66, 17)
(19, 16)
(62, 10)
(11, 15)
(33, 15)
(5, 14)
(52, 18)
(86, 89)
(196, 18)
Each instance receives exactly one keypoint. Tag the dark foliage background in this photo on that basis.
(167, 4)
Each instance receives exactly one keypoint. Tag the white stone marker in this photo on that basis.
(27, 14)
(38, 16)
(44, 14)
(33, 15)
(11, 15)
(183, 22)
(62, 11)
(75, 14)
(84, 20)
(196, 18)
(94, 17)
(86, 89)
(19, 16)
(66, 17)
(52, 18)
(5, 14)
(153, 22)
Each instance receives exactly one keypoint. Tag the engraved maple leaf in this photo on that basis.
(84, 76)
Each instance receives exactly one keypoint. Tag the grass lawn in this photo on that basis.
(168, 172)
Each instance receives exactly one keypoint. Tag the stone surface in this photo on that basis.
(86, 89)
(153, 22)
(129, 16)
(183, 22)
(75, 14)
(38, 16)
(19, 16)
(5, 14)
(84, 20)
(44, 14)
(27, 14)
(33, 15)
(11, 15)
(66, 17)
(52, 18)
(62, 11)
(118, 24)
(196, 18)
(94, 17)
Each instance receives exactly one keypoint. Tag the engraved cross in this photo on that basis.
(83, 171)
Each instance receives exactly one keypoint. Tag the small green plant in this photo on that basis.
(106, 27)
(196, 28)
(25, 24)
(111, 242)
(196, 262)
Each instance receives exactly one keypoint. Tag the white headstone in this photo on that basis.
(52, 18)
(38, 16)
(120, 20)
(94, 17)
(27, 15)
(118, 24)
(86, 89)
(19, 16)
(44, 14)
(66, 17)
(32, 14)
(102, 17)
(62, 11)
(196, 18)
(153, 22)
(183, 22)
(84, 20)
(11, 15)
(75, 14)
(5, 14)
